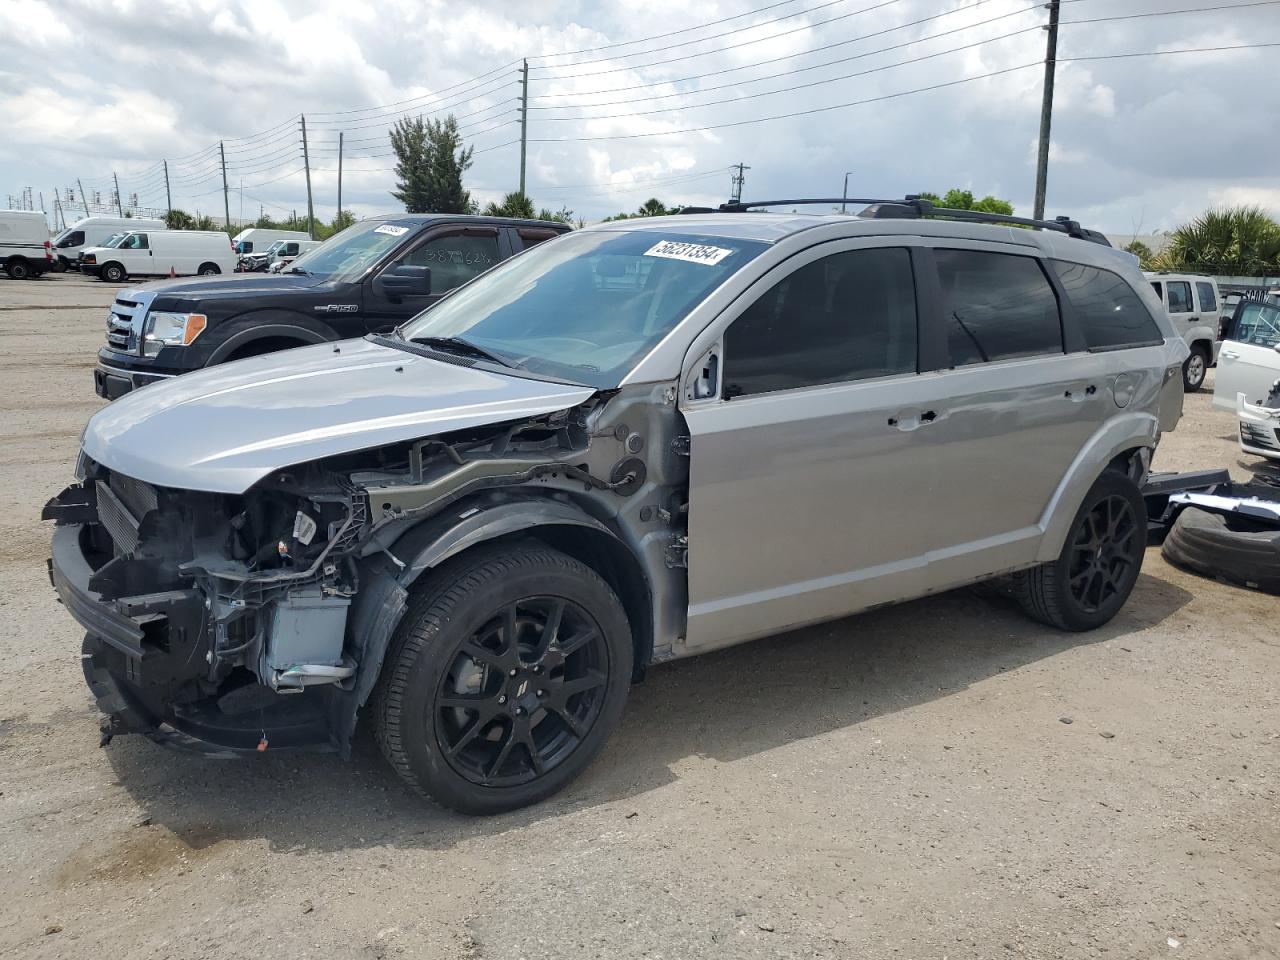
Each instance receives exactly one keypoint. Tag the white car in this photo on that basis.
(1248, 372)
(146, 253)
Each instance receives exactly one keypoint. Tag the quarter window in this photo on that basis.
(532, 236)
(1179, 296)
(849, 316)
(998, 306)
(1208, 302)
(455, 258)
(1110, 314)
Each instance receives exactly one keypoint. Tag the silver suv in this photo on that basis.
(630, 444)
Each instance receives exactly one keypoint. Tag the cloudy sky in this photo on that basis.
(638, 98)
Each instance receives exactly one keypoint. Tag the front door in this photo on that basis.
(1248, 362)
(810, 484)
(454, 254)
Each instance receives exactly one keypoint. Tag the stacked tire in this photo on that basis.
(1233, 548)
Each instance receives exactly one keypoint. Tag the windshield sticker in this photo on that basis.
(391, 229)
(692, 252)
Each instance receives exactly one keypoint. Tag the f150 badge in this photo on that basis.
(337, 308)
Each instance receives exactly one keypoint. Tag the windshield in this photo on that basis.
(347, 255)
(586, 306)
(112, 241)
(274, 247)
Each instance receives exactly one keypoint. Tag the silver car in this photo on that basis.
(633, 443)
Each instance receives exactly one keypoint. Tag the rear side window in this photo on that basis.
(1207, 299)
(1109, 312)
(1179, 296)
(997, 306)
(849, 316)
(532, 236)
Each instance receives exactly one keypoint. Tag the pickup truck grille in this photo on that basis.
(124, 322)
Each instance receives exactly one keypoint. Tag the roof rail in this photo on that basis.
(914, 206)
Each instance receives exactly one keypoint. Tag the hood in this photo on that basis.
(224, 428)
(233, 285)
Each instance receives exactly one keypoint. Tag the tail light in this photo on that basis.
(48, 250)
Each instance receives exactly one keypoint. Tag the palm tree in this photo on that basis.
(1234, 241)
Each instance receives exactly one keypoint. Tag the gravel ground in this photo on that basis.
(940, 779)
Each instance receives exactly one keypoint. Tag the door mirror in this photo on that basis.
(405, 281)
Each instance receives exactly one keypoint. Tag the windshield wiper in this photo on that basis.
(305, 273)
(463, 347)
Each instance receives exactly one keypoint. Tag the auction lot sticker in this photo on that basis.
(692, 252)
(392, 229)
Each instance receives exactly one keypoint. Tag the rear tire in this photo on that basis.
(505, 677)
(113, 273)
(208, 269)
(17, 268)
(1194, 369)
(1099, 564)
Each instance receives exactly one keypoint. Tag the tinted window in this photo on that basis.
(532, 236)
(849, 316)
(1179, 296)
(1109, 312)
(997, 306)
(1205, 292)
(455, 258)
(1258, 324)
(1159, 289)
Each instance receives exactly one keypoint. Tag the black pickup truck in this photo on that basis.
(367, 279)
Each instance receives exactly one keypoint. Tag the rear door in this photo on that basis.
(455, 255)
(1013, 409)
(1248, 362)
(810, 480)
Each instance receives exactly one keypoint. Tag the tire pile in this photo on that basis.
(1233, 548)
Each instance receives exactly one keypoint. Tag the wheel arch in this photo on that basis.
(561, 525)
(275, 329)
(1123, 443)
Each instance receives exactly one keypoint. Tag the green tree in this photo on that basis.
(514, 204)
(178, 220)
(341, 220)
(653, 207)
(430, 162)
(1234, 241)
(957, 199)
(1146, 259)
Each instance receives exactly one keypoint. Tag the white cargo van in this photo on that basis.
(1192, 302)
(160, 253)
(24, 244)
(93, 232)
(258, 238)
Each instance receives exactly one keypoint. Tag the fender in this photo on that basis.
(1120, 433)
(280, 325)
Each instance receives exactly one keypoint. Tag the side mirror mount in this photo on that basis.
(707, 381)
(404, 280)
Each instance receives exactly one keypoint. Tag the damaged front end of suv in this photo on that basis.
(240, 621)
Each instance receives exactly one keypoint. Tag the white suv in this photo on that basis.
(1192, 302)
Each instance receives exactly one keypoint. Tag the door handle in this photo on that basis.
(928, 416)
(910, 420)
(1229, 354)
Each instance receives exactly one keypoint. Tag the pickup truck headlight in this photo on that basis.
(171, 330)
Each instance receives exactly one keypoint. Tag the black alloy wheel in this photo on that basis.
(508, 672)
(1103, 553)
(522, 693)
(1098, 565)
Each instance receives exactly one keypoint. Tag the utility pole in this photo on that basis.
(524, 119)
(306, 163)
(84, 197)
(738, 179)
(119, 209)
(1046, 109)
(844, 194)
(339, 175)
(168, 197)
(226, 195)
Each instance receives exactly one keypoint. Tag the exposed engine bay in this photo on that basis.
(242, 622)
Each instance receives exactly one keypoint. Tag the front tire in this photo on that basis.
(1099, 564)
(113, 273)
(209, 269)
(1194, 370)
(505, 678)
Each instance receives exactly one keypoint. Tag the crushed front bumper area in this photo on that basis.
(144, 654)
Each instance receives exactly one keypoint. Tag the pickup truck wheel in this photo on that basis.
(1099, 564)
(17, 268)
(505, 678)
(1194, 369)
(1230, 548)
(209, 269)
(113, 273)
